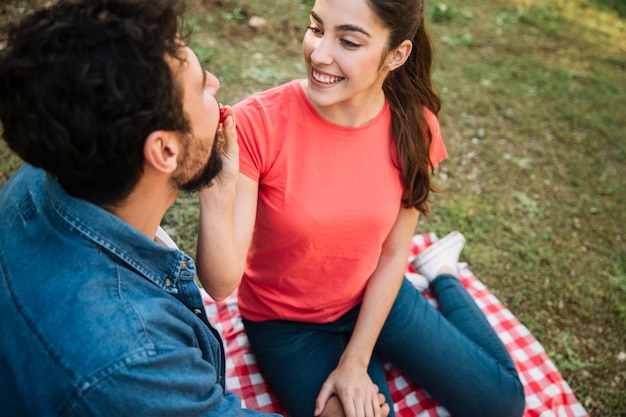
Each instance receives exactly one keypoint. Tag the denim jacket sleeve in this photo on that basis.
(159, 384)
(97, 318)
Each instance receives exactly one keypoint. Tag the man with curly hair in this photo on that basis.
(112, 114)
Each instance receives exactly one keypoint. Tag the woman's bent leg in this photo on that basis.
(471, 374)
(460, 309)
(296, 358)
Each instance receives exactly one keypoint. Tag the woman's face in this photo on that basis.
(344, 50)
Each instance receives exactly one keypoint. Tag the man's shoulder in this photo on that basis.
(20, 184)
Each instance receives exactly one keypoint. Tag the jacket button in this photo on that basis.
(197, 311)
(184, 265)
(168, 282)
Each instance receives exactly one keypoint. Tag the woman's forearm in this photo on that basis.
(381, 290)
(219, 262)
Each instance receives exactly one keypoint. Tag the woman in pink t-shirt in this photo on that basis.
(335, 170)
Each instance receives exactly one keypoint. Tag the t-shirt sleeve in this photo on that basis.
(251, 137)
(438, 150)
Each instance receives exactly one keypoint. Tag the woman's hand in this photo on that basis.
(219, 261)
(357, 393)
(334, 409)
(227, 146)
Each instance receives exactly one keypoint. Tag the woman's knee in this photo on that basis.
(511, 403)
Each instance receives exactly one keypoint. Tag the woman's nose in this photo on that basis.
(322, 51)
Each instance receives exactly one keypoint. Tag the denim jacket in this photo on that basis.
(98, 319)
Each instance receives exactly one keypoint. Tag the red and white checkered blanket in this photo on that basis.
(547, 393)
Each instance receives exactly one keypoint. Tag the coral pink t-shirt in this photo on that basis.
(328, 197)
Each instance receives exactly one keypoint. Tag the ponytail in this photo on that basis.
(409, 90)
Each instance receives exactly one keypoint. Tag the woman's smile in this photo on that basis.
(324, 78)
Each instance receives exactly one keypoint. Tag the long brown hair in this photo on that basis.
(409, 89)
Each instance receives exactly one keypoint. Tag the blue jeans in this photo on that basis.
(454, 354)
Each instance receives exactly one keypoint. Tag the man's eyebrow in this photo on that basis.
(202, 70)
(203, 75)
(345, 27)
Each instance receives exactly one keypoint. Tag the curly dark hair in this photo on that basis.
(82, 85)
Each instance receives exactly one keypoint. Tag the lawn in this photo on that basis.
(534, 118)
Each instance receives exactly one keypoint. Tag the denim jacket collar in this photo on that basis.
(162, 265)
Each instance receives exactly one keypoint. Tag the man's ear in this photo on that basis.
(398, 56)
(161, 151)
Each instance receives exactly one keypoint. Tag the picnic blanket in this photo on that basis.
(547, 393)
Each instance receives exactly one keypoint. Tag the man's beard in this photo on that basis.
(203, 178)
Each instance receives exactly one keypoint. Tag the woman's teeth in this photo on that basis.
(325, 79)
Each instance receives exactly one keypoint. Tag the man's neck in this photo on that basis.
(145, 207)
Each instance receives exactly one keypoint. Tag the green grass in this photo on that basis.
(534, 118)
(541, 196)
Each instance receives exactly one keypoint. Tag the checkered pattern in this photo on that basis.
(547, 393)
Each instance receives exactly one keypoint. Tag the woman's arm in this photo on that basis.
(227, 216)
(350, 380)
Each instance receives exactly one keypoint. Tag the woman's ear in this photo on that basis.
(398, 56)
(161, 151)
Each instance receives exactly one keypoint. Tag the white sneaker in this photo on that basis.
(444, 252)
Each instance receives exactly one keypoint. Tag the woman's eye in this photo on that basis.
(315, 30)
(349, 44)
